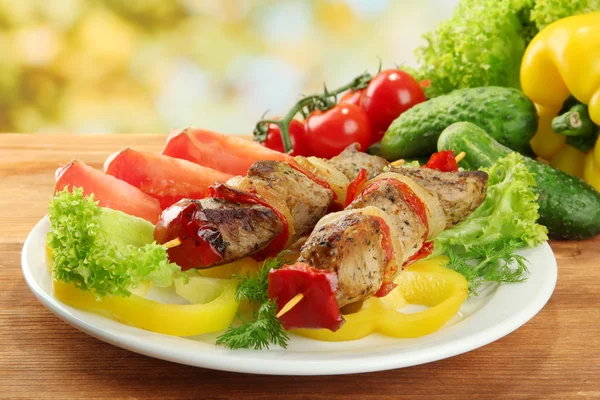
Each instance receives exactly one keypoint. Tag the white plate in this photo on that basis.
(488, 317)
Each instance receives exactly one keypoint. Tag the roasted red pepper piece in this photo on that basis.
(352, 190)
(201, 243)
(318, 308)
(423, 252)
(442, 161)
(221, 191)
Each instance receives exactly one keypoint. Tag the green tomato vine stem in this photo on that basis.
(320, 101)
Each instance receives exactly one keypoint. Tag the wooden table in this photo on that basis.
(554, 356)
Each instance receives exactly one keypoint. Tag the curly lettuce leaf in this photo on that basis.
(102, 250)
(508, 213)
(483, 43)
(545, 12)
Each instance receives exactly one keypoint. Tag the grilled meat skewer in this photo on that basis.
(273, 205)
(352, 243)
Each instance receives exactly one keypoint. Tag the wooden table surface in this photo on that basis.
(554, 356)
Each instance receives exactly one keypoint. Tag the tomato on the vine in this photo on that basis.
(389, 94)
(300, 145)
(351, 97)
(331, 131)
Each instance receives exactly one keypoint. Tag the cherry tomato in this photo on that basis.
(300, 146)
(351, 97)
(332, 131)
(389, 94)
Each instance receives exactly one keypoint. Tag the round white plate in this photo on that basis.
(494, 313)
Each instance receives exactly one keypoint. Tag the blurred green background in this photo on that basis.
(130, 66)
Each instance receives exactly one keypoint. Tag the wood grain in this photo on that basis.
(554, 356)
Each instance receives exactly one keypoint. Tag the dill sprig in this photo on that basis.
(264, 329)
(496, 262)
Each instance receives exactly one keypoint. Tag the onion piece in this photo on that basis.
(324, 170)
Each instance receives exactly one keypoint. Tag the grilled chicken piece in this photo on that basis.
(352, 160)
(306, 200)
(459, 193)
(215, 228)
(352, 247)
(406, 223)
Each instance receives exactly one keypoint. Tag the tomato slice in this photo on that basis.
(167, 179)
(352, 190)
(108, 191)
(386, 242)
(226, 153)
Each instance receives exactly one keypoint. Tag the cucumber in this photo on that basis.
(506, 113)
(569, 207)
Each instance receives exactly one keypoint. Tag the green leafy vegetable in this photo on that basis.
(264, 328)
(484, 41)
(508, 213)
(494, 263)
(482, 248)
(545, 12)
(102, 250)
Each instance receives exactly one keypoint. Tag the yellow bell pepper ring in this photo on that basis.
(426, 283)
(169, 319)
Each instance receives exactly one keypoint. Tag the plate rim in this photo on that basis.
(256, 362)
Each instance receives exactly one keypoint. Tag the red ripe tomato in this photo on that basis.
(351, 97)
(300, 146)
(332, 131)
(389, 94)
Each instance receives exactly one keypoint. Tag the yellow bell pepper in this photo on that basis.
(426, 283)
(562, 60)
(170, 319)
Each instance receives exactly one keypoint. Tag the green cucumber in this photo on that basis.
(569, 207)
(506, 113)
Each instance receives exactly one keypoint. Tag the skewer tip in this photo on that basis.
(172, 243)
(290, 304)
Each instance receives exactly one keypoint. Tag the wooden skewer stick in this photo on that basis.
(460, 156)
(290, 304)
(172, 243)
(398, 163)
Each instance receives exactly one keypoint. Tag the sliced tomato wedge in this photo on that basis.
(352, 191)
(109, 191)
(167, 179)
(229, 154)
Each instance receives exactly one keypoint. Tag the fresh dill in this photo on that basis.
(497, 262)
(264, 329)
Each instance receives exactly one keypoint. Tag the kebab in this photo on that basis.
(354, 254)
(263, 212)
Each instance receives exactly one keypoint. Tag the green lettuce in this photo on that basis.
(508, 213)
(105, 251)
